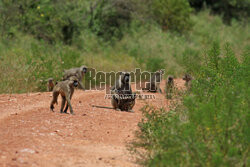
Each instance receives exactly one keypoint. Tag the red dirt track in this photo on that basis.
(32, 135)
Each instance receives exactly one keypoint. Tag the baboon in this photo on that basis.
(66, 89)
(169, 86)
(78, 72)
(170, 81)
(154, 84)
(122, 97)
(188, 78)
(50, 85)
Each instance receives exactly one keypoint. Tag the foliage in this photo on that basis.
(172, 14)
(239, 9)
(47, 20)
(56, 21)
(109, 18)
(155, 64)
(211, 128)
(26, 63)
(64, 21)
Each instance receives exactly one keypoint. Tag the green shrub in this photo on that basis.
(211, 127)
(47, 20)
(109, 18)
(172, 14)
(239, 9)
(155, 63)
(27, 64)
(191, 60)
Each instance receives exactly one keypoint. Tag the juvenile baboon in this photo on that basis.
(50, 85)
(78, 72)
(169, 86)
(188, 78)
(154, 83)
(122, 97)
(66, 89)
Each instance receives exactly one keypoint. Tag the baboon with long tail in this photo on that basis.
(66, 90)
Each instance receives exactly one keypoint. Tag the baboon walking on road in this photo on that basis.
(122, 97)
(66, 89)
(154, 85)
(78, 73)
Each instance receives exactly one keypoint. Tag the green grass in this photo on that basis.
(26, 62)
(211, 126)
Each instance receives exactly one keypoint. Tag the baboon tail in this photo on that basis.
(54, 100)
(55, 97)
(102, 107)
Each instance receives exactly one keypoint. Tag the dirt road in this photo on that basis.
(32, 135)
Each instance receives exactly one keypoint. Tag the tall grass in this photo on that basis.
(211, 127)
(26, 62)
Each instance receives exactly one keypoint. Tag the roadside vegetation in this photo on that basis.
(211, 125)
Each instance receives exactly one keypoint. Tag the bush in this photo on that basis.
(154, 64)
(172, 14)
(191, 60)
(27, 64)
(211, 128)
(109, 18)
(56, 21)
(47, 20)
(239, 9)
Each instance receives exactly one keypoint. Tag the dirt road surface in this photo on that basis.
(32, 135)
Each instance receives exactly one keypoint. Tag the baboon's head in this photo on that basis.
(170, 78)
(84, 69)
(124, 77)
(74, 81)
(187, 77)
(161, 72)
(50, 80)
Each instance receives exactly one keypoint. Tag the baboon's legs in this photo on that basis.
(69, 104)
(115, 103)
(63, 104)
(131, 106)
(81, 85)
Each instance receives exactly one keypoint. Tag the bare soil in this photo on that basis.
(32, 135)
